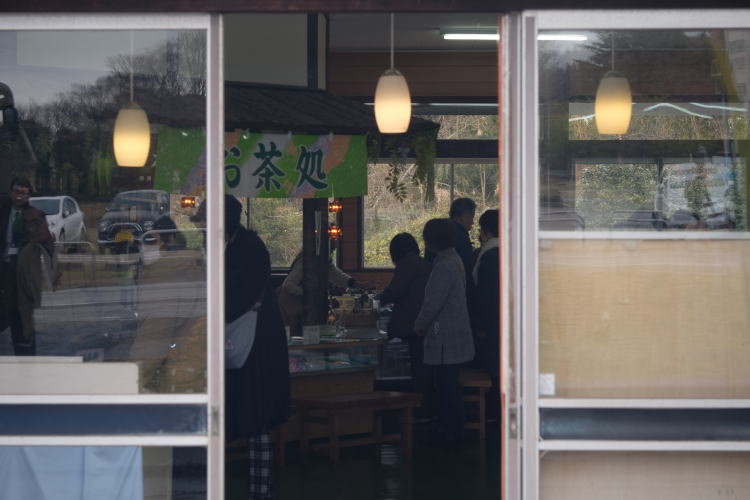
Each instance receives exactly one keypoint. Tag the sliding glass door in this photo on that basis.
(111, 373)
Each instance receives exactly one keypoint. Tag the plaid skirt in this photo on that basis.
(262, 485)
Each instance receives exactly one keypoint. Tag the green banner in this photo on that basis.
(295, 166)
(265, 165)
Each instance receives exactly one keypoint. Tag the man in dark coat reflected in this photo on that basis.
(257, 394)
(13, 237)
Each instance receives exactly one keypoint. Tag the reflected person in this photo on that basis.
(36, 270)
(13, 237)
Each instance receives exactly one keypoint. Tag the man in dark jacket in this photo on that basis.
(257, 394)
(462, 215)
(486, 305)
(13, 237)
(406, 293)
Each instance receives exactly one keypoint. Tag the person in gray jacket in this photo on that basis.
(444, 322)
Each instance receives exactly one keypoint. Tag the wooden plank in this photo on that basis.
(646, 476)
(646, 318)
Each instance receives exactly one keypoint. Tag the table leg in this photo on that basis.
(377, 427)
(303, 440)
(482, 415)
(333, 446)
(406, 433)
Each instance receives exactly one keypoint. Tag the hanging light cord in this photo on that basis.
(612, 40)
(392, 16)
(131, 66)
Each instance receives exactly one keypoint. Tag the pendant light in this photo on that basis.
(392, 99)
(132, 135)
(614, 102)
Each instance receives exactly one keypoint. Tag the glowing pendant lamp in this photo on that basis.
(614, 102)
(132, 135)
(392, 99)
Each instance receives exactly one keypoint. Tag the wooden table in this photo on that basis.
(330, 409)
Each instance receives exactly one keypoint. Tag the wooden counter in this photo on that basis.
(356, 378)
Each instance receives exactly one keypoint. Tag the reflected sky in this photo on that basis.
(39, 65)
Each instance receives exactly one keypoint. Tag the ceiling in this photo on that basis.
(413, 32)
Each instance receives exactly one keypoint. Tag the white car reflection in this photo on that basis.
(64, 217)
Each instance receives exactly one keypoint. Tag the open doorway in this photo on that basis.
(453, 86)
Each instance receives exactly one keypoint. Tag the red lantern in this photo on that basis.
(335, 232)
(335, 206)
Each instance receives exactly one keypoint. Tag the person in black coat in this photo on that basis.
(257, 394)
(462, 213)
(486, 305)
(13, 237)
(406, 293)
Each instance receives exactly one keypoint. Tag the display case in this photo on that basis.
(328, 356)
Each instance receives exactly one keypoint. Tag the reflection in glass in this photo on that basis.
(680, 165)
(132, 287)
(96, 472)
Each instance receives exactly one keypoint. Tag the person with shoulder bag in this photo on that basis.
(257, 389)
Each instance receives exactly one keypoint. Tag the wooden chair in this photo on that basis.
(476, 383)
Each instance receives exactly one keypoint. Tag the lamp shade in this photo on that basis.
(614, 104)
(132, 136)
(392, 103)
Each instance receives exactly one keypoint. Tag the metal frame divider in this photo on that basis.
(215, 265)
(512, 361)
(528, 290)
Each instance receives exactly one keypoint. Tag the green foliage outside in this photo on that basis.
(279, 224)
(385, 215)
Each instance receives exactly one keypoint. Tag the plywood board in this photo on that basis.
(646, 318)
(644, 476)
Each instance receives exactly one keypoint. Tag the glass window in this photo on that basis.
(385, 215)
(645, 295)
(112, 297)
(278, 222)
(678, 163)
(464, 126)
(123, 472)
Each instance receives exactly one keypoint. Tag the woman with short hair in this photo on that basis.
(444, 322)
(406, 293)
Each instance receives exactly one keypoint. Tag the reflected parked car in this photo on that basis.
(64, 217)
(129, 216)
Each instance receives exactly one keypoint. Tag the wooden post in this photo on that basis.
(315, 260)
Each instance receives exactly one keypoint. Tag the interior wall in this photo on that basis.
(270, 48)
(645, 318)
(445, 74)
